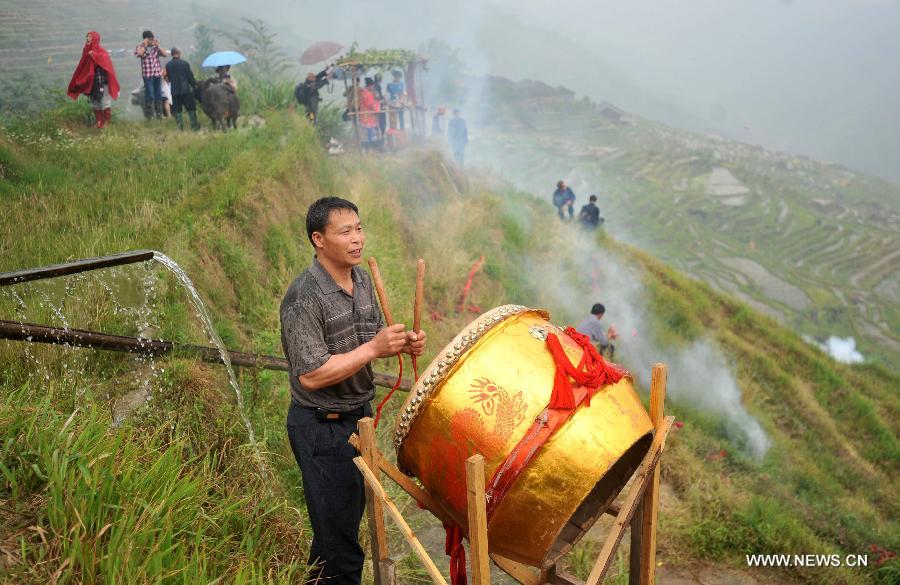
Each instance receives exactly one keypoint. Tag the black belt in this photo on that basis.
(325, 415)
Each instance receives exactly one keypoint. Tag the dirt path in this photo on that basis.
(707, 575)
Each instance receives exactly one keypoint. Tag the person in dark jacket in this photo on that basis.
(307, 93)
(563, 197)
(458, 135)
(182, 82)
(589, 216)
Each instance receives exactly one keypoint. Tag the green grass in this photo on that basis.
(84, 503)
(177, 483)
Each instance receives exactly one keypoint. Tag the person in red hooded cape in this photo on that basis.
(95, 77)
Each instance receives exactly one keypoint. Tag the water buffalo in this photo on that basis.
(219, 102)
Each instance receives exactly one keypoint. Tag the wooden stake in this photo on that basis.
(354, 100)
(417, 493)
(641, 479)
(407, 532)
(388, 572)
(634, 556)
(477, 504)
(379, 288)
(650, 507)
(374, 509)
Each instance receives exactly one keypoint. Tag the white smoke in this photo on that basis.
(841, 350)
(699, 375)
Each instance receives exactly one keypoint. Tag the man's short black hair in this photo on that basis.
(598, 309)
(319, 212)
(592, 198)
(148, 34)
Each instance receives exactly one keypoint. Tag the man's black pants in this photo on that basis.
(184, 100)
(334, 491)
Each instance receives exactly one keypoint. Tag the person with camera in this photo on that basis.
(149, 53)
(307, 92)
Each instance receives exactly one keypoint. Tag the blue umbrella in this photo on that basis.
(221, 58)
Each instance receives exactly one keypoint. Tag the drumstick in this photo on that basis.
(420, 294)
(379, 288)
(417, 308)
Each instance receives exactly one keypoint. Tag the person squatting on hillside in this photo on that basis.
(592, 327)
(307, 93)
(95, 77)
(149, 53)
(182, 82)
(331, 330)
(589, 216)
(562, 197)
(458, 136)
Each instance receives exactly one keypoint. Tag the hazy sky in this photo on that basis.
(819, 77)
(816, 76)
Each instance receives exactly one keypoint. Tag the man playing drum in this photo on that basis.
(331, 330)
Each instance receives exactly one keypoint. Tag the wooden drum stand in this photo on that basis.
(639, 510)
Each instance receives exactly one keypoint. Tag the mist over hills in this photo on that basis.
(653, 64)
(816, 78)
(811, 244)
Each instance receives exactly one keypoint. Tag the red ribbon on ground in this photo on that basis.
(461, 306)
(453, 546)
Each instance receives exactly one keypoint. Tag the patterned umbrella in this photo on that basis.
(320, 51)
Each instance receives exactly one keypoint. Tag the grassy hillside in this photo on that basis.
(176, 493)
(814, 245)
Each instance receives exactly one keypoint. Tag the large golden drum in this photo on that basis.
(487, 392)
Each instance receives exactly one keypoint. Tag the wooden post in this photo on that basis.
(634, 558)
(374, 508)
(650, 506)
(478, 544)
(642, 478)
(354, 100)
(408, 533)
(388, 572)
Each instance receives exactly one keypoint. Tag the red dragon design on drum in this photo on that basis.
(468, 433)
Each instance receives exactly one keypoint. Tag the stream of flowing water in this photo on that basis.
(213, 335)
(131, 296)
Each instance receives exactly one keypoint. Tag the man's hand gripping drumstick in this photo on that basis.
(415, 339)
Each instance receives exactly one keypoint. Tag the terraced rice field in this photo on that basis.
(812, 244)
(41, 40)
